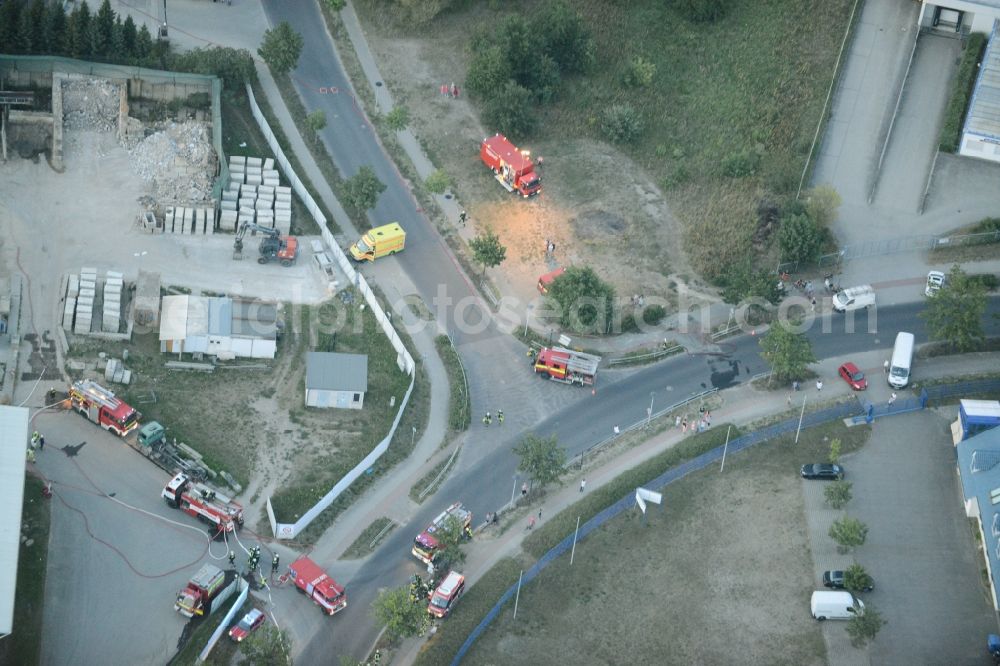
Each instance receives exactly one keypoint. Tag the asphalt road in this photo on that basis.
(487, 483)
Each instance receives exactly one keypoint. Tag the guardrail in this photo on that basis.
(621, 360)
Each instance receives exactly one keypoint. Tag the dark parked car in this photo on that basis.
(853, 376)
(822, 471)
(835, 580)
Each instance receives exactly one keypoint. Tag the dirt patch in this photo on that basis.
(597, 206)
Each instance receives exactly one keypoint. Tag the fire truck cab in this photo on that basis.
(426, 545)
(100, 405)
(310, 578)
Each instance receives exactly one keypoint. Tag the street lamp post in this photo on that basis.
(649, 412)
(413, 436)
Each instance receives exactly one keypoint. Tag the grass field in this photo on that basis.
(728, 117)
(24, 645)
(723, 565)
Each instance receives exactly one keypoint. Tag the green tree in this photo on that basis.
(849, 533)
(955, 313)
(639, 73)
(38, 14)
(488, 72)
(335, 5)
(54, 32)
(281, 48)
(143, 44)
(821, 204)
(742, 282)
(117, 51)
(316, 121)
(565, 36)
(266, 647)
(583, 301)
(398, 118)
(25, 41)
(451, 536)
(487, 250)
(621, 123)
(800, 238)
(511, 110)
(518, 42)
(401, 616)
(83, 20)
(863, 628)
(837, 493)
(856, 579)
(786, 351)
(101, 29)
(129, 37)
(542, 458)
(834, 456)
(437, 182)
(10, 24)
(363, 189)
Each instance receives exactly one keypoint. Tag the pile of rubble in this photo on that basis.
(91, 104)
(180, 160)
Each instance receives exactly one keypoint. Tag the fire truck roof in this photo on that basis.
(499, 145)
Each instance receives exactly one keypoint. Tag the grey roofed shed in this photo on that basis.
(330, 371)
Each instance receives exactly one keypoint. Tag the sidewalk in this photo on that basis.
(742, 405)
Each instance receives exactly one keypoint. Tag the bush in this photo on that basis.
(511, 110)
(583, 301)
(621, 123)
(398, 118)
(565, 38)
(741, 164)
(437, 182)
(489, 72)
(961, 91)
(821, 204)
(989, 281)
(640, 74)
(702, 11)
(800, 239)
(654, 314)
(986, 225)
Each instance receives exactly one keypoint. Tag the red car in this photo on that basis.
(251, 621)
(853, 376)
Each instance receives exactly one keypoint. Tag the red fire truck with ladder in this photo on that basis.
(513, 168)
(102, 407)
(310, 578)
(207, 505)
(426, 545)
(567, 366)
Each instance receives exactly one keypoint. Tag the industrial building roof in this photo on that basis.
(184, 316)
(330, 371)
(13, 444)
(979, 471)
(983, 118)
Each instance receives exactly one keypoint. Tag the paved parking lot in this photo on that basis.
(920, 548)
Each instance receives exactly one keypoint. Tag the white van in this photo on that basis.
(902, 359)
(854, 298)
(835, 605)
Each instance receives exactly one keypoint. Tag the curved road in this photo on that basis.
(494, 361)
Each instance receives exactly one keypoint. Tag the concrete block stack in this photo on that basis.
(185, 220)
(69, 309)
(254, 194)
(85, 301)
(111, 319)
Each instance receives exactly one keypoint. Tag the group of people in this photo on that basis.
(37, 442)
(488, 418)
(703, 423)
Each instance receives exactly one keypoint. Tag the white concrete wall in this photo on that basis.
(974, 145)
(977, 17)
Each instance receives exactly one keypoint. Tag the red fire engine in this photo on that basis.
(513, 168)
(312, 580)
(207, 505)
(567, 366)
(102, 407)
(425, 546)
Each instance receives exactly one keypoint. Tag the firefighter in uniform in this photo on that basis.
(500, 416)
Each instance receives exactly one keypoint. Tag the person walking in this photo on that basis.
(583, 485)
(274, 563)
(684, 426)
(892, 398)
(539, 514)
(487, 419)
(499, 417)
(677, 421)
(812, 305)
(524, 489)
(34, 439)
(31, 455)
(461, 218)
(41, 442)
(617, 430)
(232, 559)
(531, 522)
(819, 384)
(885, 367)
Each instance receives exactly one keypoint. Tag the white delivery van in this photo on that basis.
(835, 605)
(854, 298)
(902, 359)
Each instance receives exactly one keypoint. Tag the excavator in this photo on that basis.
(273, 247)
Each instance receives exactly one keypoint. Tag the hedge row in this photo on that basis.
(961, 91)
